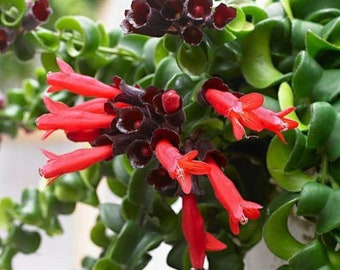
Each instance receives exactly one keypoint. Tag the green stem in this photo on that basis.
(6, 257)
(102, 49)
(324, 175)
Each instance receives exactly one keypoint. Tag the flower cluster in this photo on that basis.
(36, 14)
(184, 17)
(120, 119)
(145, 124)
(245, 110)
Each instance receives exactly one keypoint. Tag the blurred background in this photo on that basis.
(20, 159)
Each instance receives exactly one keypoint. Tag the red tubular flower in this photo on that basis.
(239, 210)
(73, 120)
(240, 111)
(179, 166)
(74, 161)
(199, 241)
(276, 121)
(79, 84)
(96, 105)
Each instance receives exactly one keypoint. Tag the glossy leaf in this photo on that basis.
(301, 28)
(80, 30)
(286, 100)
(306, 75)
(111, 216)
(91, 176)
(6, 218)
(133, 43)
(140, 192)
(47, 40)
(30, 210)
(278, 155)
(299, 157)
(316, 44)
(192, 59)
(98, 235)
(310, 80)
(178, 257)
(165, 70)
(240, 26)
(314, 256)
(320, 201)
(333, 146)
(318, 132)
(70, 188)
(117, 187)
(276, 228)
(303, 8)
(24, 47)
(16, 9)
(26, 241)
(105, 264)
(256, 63)
(133, 242)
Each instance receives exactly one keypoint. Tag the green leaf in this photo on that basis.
(116, 186)
(304, 8)
(301, 28)
(240, 26)
(286, 100)
(132, 244)
(333, 145)
(24, 47)
(83, 36)
(12, 12)
(299, 157)
(111, 216)
(320, 201)
(105, 264)
(314, 256)
(178, 257)
(225, 260)
(130, 210)
(307, 72)
(70, 188)
(165, 70)
(120, 171)
(6, 207)
(310, 80)
(278, 155)
(256, 63)
(318, 132)
(140, 192)
(276, 233)
(26, 241)
(316, 45)
(91, 176)
(133, 43)
(98, 235)
(30, 211)
(46, 39)
(87, 263)
(166, 219)
(192, 59)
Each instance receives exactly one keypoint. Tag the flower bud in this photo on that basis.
(171, 101)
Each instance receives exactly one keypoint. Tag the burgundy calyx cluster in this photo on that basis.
(36, 14)
(184, 17)
(138, 120)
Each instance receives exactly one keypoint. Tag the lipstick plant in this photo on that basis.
(229, 108)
